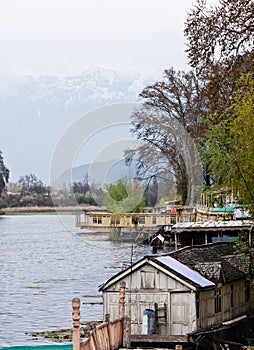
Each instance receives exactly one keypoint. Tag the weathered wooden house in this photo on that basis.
(189, 290)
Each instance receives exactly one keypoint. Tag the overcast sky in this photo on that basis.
(66, 37)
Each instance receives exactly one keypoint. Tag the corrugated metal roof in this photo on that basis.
(229, 209)
(185, 271)
(212, 224)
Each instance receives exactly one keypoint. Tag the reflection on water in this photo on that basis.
(44, 263)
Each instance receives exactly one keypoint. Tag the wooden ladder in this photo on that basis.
(160, 316)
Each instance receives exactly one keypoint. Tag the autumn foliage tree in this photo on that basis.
(223, 32)
(220, 49)
(230, 143)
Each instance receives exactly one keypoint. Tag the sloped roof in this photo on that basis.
(211, 252)
(172, 266)
(212, 225)
(214, 259)
(201, 266)
(184, 271)
(211, 270)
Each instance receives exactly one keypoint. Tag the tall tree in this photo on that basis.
(220, 48)
(242, 131)
(31, 184)
(221, 82)
(230, 144)
(4, 174)
(167, 123)
(220, 32)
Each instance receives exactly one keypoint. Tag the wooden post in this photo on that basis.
(76, 323)
(175, 241)
(122, 300)
(126, 332)
(126, 322)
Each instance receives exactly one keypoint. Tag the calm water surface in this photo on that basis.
(44, 263)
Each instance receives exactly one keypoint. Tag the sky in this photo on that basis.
(68, 37)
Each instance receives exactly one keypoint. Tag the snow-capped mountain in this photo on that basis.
(91, 89)
(36, 111)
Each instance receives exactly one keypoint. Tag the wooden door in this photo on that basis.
(180, 314)
(137, 303)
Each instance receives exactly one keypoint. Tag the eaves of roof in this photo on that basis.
(168, 265)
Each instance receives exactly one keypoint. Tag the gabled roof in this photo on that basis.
(169, 266)
(201, 266)
(185, 272)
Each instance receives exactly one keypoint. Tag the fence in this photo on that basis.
(109, 335)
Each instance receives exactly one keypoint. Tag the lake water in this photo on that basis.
(45, 262)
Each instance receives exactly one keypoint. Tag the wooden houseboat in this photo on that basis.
(185, 234)
(99, 221)
(179, 295)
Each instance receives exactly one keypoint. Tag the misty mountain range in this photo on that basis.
(101, 173)
(35, 111)
(74, 95)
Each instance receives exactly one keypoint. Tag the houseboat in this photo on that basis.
(197, 233)
(99, 221)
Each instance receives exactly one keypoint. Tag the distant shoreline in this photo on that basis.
(47, 210)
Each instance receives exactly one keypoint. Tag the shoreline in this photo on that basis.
(63, 335)
(46, 210)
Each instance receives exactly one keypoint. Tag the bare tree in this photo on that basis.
(31, 184)
(166, 123)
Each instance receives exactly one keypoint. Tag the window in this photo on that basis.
(154, 220)
(142, 220)
(134, 220)
(247, 291)
(173, 220)
(147, 279)
(96, 220)
(217, 300)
